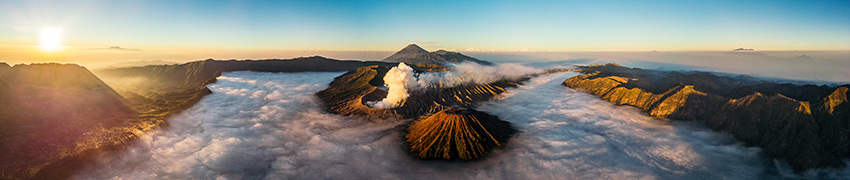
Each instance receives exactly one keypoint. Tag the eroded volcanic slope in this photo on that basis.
(807, 124)
(348, 93)
(458, 133)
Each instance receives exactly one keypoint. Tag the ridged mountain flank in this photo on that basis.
(806, 124)
(457, 133)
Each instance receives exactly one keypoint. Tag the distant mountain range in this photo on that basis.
(415, 54)
(140, 63)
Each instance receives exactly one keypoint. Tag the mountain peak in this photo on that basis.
(415, 54)
(458, 133)
(413, 48)
(408, 52)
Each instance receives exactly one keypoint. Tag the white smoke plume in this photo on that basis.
(398, 80)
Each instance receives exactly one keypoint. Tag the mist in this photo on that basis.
(474, 73)
(817, 66)
(271, 126)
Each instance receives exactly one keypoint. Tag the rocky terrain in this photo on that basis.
(348, 94)
(54, 111)
(415, 54)
(457, 133)
(808, 125)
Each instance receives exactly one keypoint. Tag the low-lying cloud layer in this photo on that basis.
(270, 126)
(477, 74)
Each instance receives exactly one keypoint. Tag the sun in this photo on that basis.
(50, 39)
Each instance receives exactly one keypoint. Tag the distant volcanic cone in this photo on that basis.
(414, 54)
(458, 133)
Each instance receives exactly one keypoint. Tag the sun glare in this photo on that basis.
(50, 39)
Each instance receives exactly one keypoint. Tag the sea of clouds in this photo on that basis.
(271, 126)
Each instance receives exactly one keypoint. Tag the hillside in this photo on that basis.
(4, 68)
(348, 93)
(457, 133)
(807, 124)
(47, 116)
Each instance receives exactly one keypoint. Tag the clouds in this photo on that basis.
(587, 138)
(473, 73)
(399, 79)
(117, 48)
(270, 126)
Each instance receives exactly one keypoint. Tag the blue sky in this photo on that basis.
(468, 25)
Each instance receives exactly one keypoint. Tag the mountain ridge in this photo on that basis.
(412, 53)
(809, 125)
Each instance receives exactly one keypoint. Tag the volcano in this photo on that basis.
(414, 54)
(458, 133)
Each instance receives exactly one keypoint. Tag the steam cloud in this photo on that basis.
(477, 74)
(270, 126)
(399, 80)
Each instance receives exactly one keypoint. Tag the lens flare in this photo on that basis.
(50, 39)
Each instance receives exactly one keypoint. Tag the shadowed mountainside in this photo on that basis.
(4, 68)
(415, 54)
(4, 87)
(807, 124)
(53, 111)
